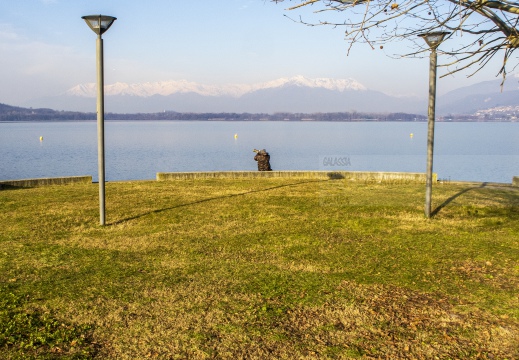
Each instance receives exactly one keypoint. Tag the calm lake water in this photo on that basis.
(136, 150)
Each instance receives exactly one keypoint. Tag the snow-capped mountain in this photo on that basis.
(163, 88)
(166, 88)
(297, 94)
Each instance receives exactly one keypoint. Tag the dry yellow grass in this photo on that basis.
(263, 269)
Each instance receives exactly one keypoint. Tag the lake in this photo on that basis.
(136, 150)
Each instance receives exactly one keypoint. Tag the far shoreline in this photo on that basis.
(241, 120)
(17, 114)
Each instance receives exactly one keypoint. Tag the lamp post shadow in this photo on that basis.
(454, 197)
(211, 199)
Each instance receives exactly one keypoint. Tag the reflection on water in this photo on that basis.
(139, 149)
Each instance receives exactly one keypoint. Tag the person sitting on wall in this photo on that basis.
(263, 159)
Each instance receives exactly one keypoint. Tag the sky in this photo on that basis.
(46, 48)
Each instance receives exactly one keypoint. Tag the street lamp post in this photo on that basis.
(100, 24)
(433, 39)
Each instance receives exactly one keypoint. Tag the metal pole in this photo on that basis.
(430, 132)
(100, 130)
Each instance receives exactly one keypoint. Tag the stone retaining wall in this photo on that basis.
(47, 181)
(366, 176)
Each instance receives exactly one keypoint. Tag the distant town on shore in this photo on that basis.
(11, 113)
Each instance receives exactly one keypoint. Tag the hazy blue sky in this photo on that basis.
(46, 48)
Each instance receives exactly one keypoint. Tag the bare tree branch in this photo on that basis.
(485, 27)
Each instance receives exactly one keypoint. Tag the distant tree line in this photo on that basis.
(339, 116)
(12, 113)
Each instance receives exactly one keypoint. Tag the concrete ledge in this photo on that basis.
(515, 181)
(87, 179)
(365, 176)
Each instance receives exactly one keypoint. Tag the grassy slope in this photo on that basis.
(272, 268)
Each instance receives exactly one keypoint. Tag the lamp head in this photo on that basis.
(434, 39)
(99, 23)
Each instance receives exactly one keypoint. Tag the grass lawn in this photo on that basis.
(259, 269)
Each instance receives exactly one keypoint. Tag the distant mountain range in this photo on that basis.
(166, 88)
(481, 96)
(295, 95)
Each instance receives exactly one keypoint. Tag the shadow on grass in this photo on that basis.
(213, 199)
(455, 196)
(12, 187)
